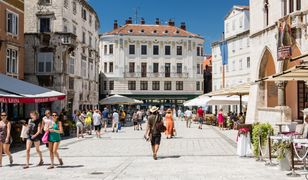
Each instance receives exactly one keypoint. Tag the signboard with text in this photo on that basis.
(285, 41)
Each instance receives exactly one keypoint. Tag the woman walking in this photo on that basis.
(54, 139)
(79, 124)
(5, 132)
(169, 124)
(34, 131)
(220, 119)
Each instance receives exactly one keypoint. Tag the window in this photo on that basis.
(179, 85)
(90, 40)
(291, 6)
(66, 3)
(198, 85)
(167, 50)
(131, 85)
(105, 49)
(12, 23)
(248, 42)
(298, 5)
(45, 2)
(111, 85)
(248, 62)
(155, 50)
(90, 19)
(105, 67)
(144, 49)
(131, 67)
(74, 7)
(266, 12)
(179, 68)
(167, 69)
(105, 85)
(71, 83)
(11, 61)
(155, 85)
(240, 43)
(74, 30)
(143, 69)
(110, 48)
(167, 85)
(111, 67)
(155, 67)
(233, 65)
(198, 69)
(227, 28)
(83, 37)
(241, 22)
(71, 65)
(84, 14)
(241, 64)
(198, 51)
(45, 62)
(143, 85)
(233, 25)
(179, 50)
(131, 49)
(45, 24)
(84, 66)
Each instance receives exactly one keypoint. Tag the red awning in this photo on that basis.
(16, 91)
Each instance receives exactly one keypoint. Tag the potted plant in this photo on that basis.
(282, 149)
(260, 131)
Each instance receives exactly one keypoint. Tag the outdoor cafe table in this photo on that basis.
(280, 126)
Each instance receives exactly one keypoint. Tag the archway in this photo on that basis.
(268, 89)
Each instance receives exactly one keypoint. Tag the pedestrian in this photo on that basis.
(5, 135)
(188, 117)
(46, 123)
(79, 124)
(135, 120)
(105, 115)
(200, 114)
(122, 118)
(139, 120)
(220, 119)
(54, 139)
(115, 121)
(179, 114)
(169, 124)
(88, 122)
(97, 122)
(33, 133)
(154, 129)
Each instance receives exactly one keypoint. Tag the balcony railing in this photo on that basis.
(155, 75)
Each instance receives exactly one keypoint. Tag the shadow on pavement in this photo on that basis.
(169, 157)
(72, 166)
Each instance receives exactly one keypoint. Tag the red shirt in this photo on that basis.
(200, 112)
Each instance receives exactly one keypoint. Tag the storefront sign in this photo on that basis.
(15, 100)
(285, 40)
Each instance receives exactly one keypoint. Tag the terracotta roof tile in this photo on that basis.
(151, 30)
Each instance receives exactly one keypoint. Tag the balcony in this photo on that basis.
(155, 75)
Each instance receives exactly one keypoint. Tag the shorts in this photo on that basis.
(105, 119)
(139, 120)
(36, 139)
(200, 120)
(135, 123)
(155, 140)
(98, 127)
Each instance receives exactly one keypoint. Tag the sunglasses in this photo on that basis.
(3, 115)
(54, 115)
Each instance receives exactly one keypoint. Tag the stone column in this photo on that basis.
(281, 92)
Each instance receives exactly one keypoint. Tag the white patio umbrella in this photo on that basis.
(120, 100)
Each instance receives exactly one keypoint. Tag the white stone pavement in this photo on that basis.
(193, 154)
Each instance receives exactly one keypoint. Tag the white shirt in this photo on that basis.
(115, 117)
(47, 123)
(188, 113)
(97, 119)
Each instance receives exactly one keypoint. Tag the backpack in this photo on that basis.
(159, 125)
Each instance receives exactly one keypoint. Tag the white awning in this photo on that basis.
(205, 100)
(297, 73)
(13, 90)
(241, 89)
(118, 99)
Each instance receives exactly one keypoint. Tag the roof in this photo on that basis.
(151, 30)
(207, 61)
(239, 8)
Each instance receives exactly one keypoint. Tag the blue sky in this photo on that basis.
(204, 17)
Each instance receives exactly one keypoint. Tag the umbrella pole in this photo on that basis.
(240, 103)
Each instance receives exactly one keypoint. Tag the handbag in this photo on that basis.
(45, 137)
(160, 125)
(24, 132)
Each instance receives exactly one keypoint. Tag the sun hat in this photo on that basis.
(153, 109)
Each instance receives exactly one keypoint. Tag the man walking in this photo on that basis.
(200, 114)
(155, 127)
(97, 123)
(188, 116)
(139, 119)
(105, 118)
(115, 120)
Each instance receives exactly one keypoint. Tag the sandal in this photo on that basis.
(40, 163)
(26, 167)
(154, 156)
(61, 162)
(50, 167)
(11, 160)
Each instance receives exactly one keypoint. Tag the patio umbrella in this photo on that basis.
(120, 100)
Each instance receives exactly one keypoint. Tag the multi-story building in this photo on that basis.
(236, 35)
(12, 46)
(207, 74)
(12, 38)
(61, 43)
(235, 69)
(159, 64)
(268, 100)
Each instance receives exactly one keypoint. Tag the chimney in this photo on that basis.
(142, 21)
(183, 26)
(171, 22)
(129, 21)
(115, 24)
(157, 21)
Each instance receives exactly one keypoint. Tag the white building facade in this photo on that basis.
(236, 35)
(61, 42)
(275, 101)
(159, 64)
